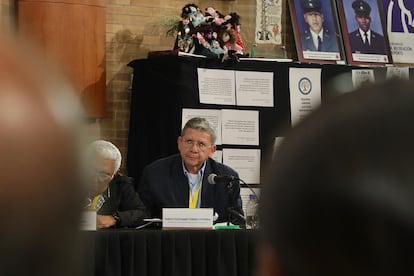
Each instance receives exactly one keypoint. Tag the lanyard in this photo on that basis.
(194, 195)
(97, 200)
(194, 186)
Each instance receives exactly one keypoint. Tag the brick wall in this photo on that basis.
(135, 27)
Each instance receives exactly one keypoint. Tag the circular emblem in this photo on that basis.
(305, 86)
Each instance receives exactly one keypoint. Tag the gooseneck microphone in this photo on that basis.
(228, 179)
(214, 179)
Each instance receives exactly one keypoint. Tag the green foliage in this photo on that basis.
(170, 24)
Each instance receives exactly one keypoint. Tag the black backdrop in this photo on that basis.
(162, 86)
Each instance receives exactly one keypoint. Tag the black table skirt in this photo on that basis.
(170, 253)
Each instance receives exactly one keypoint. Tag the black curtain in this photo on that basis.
(162, 86)
(171, 253)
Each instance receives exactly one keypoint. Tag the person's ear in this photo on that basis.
(179, 140)
(268, 262)
(212, 150)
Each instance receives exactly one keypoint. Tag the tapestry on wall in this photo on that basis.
(268, 22)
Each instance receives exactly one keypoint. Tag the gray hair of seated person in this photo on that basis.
(106, 150)
(200, 124)
(339, 199)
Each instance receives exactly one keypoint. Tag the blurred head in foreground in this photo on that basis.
(340, 197)
(39, 185)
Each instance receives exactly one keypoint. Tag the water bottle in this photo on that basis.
(252, 219)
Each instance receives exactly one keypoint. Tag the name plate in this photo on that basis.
(187, 218)
(88, 220)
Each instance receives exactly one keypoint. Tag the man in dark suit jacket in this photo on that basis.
(181, 180)
(316, 37)
(364, 40)
(123, 203)
(112, 194)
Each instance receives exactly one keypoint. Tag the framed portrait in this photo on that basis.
(364, 33)
(316, 30)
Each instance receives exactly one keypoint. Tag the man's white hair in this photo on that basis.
(107, 150)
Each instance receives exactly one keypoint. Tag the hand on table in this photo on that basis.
(103, 221)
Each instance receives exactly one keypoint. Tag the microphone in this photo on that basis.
(227, 179)
(214, 178)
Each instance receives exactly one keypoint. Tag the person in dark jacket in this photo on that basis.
(181, 180)
(341, 201)
(112, 193)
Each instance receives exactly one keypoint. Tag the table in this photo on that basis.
(130, 252)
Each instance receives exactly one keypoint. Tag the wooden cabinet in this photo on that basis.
(72, 33)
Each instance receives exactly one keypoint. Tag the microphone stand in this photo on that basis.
(230, 208)
(230, 200)
(228, 180)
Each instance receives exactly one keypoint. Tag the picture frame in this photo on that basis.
(353, 15)
(332, 50)
(400, 29)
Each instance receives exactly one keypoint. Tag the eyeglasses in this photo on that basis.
(101, 175)
(200, 145)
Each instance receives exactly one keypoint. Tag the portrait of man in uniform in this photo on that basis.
(316, 29)
(316, 36)
(364, 40)
(364, 33)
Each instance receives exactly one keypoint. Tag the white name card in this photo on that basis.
(186, 218)
(88, 220)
